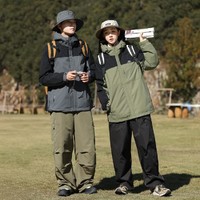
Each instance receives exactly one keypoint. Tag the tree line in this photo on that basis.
(26, 28)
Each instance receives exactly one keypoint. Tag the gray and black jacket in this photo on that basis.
(63, 95)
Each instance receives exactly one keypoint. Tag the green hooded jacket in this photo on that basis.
(121, 86)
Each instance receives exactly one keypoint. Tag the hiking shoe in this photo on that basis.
(90, 190)
(161, 190)
(121, 190)
(64, 192)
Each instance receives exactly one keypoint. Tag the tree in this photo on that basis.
(182, 54)
(26, 26)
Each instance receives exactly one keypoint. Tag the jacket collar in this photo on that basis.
(70, 40)
(113, 50)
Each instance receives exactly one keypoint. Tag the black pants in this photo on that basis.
(120, 139)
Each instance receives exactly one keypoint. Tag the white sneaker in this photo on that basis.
(121, 190)
(161, 190)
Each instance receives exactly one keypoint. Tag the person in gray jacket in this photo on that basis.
(69, 104)
(124, 94)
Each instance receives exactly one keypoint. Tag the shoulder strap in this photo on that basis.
(101, 58)
(46, 90)
(101, 61)
(51, 49)
(84, 47)
(131, 50)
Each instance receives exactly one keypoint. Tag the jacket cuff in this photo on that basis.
(64, 76)
(143, 43)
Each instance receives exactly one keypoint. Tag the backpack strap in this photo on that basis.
(84, 48)
(131, 50)
(101, 61)
(46, 90)
(51, 47)
(101, 58)
(51, 51)
(85, 51)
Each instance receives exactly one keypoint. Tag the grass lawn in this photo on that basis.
(27, 168)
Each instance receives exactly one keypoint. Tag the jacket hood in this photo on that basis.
(113, 50)
(72, 39)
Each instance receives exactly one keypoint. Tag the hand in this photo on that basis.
(142, 38)
(71, 75)
(84, 77)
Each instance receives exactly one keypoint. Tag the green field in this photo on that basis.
(27, 169)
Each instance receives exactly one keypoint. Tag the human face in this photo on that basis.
(68, 27)
(111, 35)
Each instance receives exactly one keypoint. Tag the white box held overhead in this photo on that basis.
(135, 33)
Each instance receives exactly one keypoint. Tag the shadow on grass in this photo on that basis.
(173, 181)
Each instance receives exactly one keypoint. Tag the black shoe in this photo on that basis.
(64, 192)
(90, 190)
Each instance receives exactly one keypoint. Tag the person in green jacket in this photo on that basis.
(124, 94)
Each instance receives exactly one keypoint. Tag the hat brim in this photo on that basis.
(99, 32)
(79, 24)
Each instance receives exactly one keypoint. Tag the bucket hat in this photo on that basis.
(66, 15)
(106, 24)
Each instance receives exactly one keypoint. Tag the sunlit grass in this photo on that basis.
(27, 170)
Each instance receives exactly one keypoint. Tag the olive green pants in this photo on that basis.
(73, 132)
